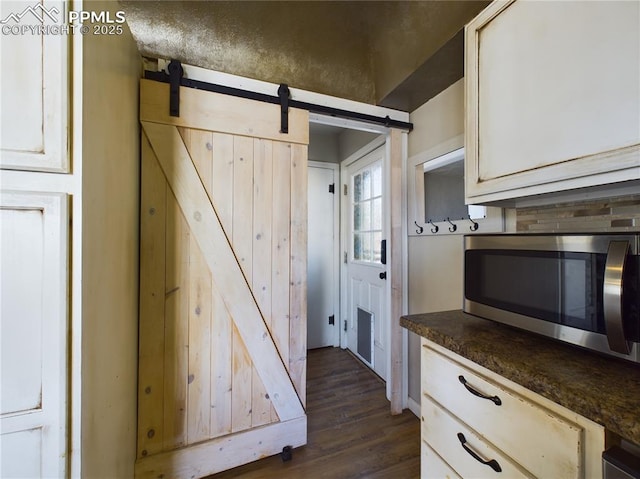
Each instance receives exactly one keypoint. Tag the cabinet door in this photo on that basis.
(34, 86)
(553, 101)
(33, 312)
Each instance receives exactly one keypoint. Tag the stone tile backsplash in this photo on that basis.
(614, 214)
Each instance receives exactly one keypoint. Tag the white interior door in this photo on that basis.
(322, 253)
(367, 297)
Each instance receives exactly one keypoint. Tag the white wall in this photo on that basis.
(110, 203)
(323, 146)
(332, 147)
(435, 262)
(350, 141)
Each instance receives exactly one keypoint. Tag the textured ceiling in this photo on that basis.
(396, 54)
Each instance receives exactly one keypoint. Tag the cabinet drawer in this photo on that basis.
(543, 442)
(446, 436)
(432, 466)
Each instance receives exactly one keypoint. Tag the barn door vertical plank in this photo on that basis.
(176, 355)
(200, 148)
(281, 240)
(242, 241)
(199, 378)
(242, 236)
(152, 288)
(298, 298)
(222, 331)
(262, 213)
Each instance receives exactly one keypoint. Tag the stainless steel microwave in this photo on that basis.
(579, 288)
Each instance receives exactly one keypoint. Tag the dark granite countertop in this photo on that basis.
(605, 390)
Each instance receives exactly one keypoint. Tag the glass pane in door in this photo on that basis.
(367, 212)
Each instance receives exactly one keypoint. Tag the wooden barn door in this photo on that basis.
(222, 283)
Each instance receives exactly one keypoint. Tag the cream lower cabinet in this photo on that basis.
(33, 321)
(476, 424)
(552, 98)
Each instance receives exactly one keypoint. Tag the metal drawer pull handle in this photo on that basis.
(493, 464)
(495, 399)
(612, 296)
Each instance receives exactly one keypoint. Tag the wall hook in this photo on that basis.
(419, 229)
(453, 227)
(435, 228)
(474, 225)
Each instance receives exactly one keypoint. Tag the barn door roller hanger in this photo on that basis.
(176, 79)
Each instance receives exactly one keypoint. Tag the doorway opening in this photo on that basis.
(335, 306)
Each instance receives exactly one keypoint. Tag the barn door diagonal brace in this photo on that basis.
(175, 78)
(284, 94)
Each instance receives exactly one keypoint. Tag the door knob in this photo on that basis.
(383, 275)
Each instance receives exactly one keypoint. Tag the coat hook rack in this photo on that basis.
(419, 229)
(453, 227)
(474, 225)
(435, 228)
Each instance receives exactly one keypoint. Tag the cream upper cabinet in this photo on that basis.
(34, 87)
(552, 97)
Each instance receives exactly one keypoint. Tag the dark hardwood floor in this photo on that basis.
(350, 430)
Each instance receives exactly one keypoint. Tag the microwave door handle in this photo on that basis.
(612, 296)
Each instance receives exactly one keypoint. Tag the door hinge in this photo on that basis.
(345, 325)
(345, 190)
(332, 319)
(332, 188)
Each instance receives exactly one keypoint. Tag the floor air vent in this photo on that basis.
(365, 325)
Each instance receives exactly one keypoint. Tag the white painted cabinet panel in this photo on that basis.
(21, 454)
(553, 97)
(22, 315)
(34, 87)
(33, 312)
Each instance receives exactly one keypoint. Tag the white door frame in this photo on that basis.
(336, 245)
